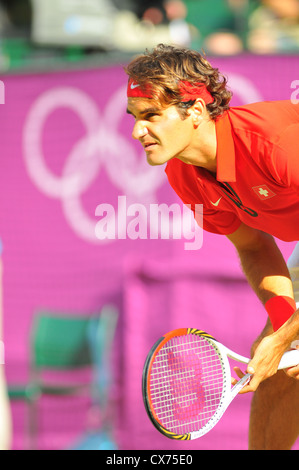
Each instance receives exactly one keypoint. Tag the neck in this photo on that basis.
(203, 148)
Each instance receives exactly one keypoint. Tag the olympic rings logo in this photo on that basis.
(102, 146)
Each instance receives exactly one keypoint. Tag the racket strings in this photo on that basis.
(186, 383)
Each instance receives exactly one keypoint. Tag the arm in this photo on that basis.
(268, 275)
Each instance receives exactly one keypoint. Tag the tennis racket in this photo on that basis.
(186, 382)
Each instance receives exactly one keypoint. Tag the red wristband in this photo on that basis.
(280, 309)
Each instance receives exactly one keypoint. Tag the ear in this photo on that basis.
(198, 111)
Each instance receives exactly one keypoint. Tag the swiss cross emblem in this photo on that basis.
(263, 192)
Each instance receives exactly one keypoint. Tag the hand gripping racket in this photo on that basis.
(186, 382)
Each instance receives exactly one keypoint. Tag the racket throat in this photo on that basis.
(237, 357)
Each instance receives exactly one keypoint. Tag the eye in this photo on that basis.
(151, 116)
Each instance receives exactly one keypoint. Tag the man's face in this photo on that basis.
(162, 131)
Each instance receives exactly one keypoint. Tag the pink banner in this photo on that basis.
(67, 157)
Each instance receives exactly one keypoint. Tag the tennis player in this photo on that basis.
(242, 165)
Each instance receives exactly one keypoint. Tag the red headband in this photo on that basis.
(136, 91)
(189, 91)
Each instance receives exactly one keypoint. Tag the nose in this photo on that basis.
(139, 130)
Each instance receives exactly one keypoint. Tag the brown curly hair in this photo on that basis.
(166, 65)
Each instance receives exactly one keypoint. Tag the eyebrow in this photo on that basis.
(147, 111)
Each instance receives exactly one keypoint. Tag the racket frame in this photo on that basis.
(227, 395)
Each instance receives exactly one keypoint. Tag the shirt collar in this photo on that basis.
(226, 167)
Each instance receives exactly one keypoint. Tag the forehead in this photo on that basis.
(143, 105)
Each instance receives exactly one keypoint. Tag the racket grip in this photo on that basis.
(289, 359)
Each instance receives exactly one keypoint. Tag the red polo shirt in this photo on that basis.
(257, 179)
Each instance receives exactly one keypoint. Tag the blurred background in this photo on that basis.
(79, 314)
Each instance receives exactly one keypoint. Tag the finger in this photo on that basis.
(293, 372)
(245, 389)
(239, 373)
(234, 381)
(250, 387)
(250, 369)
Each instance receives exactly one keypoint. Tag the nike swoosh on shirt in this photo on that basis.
(217, 202)
(134, 86)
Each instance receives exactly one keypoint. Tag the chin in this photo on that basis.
(157, 161)
(152, 163)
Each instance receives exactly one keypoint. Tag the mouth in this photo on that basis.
(149, 145)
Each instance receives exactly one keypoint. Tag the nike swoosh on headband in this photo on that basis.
(135, 90)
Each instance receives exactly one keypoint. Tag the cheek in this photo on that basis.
(177, 129)
(181, 134)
